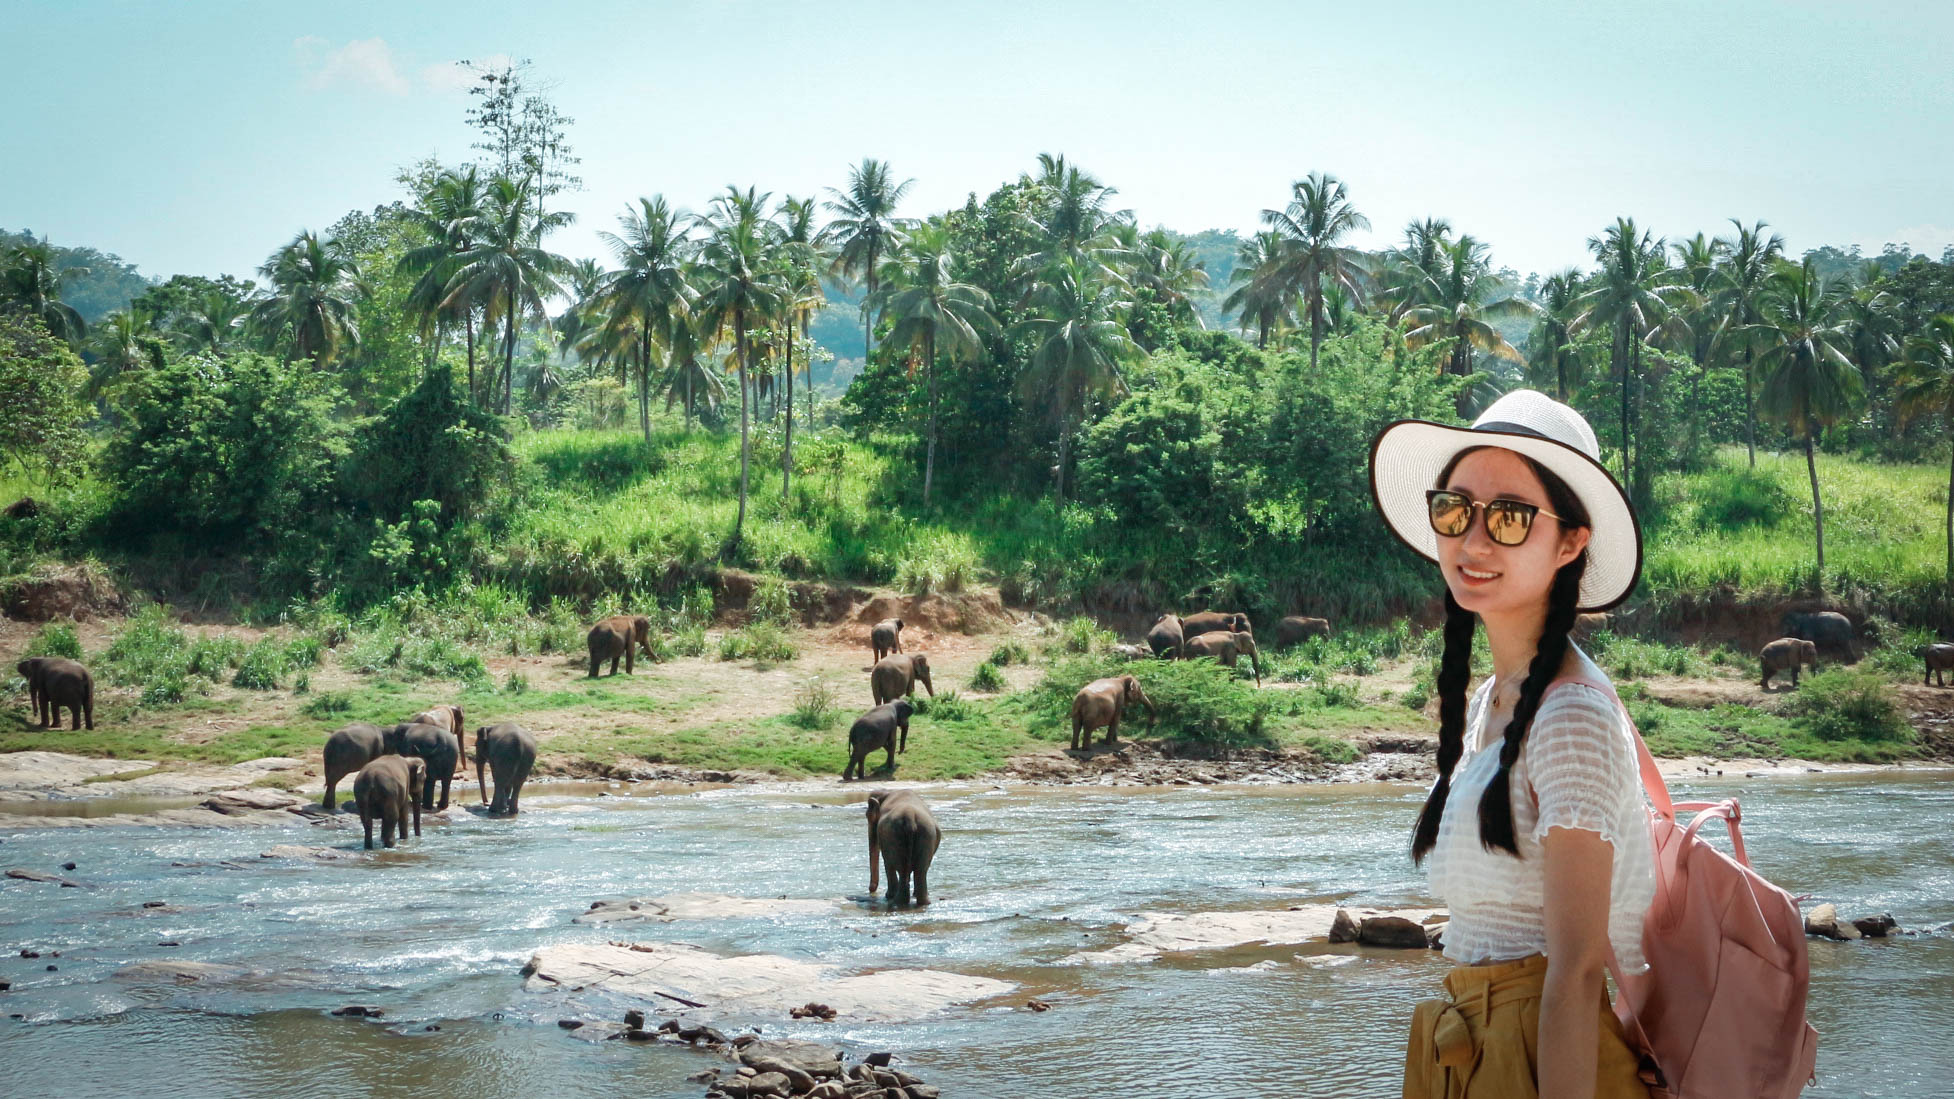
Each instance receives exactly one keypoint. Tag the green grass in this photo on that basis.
(1730, 731)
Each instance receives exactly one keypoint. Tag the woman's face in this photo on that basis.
(1486, 577)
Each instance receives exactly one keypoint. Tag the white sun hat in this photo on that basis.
(1407, 457)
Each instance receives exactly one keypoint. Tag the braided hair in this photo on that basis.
(1455, 672)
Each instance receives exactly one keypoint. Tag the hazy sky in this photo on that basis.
(198, 136)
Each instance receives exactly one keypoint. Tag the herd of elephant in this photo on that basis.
(395, 769)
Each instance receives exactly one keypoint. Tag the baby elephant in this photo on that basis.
(1786, 654)
(896, 676)
(1939, 659)
(1295, 629)
(616, 638)
(885, 727)
(1101, 703)
(384, 790)
(1226, 647)
(509, 751)
(886, 637)
(55, 683)
(349, 749)
(903, 833)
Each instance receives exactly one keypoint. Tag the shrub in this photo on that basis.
(688, 641)
(1896, 660)
(1418, 696)
(815, 705)
(1197, 700)
(415, 658)
(261, 666)
(1332, 749)
(1333, 693)
(303, 684)
(516, 684)
(329, 704)
(946, 706)
(987, 678)
(1841, 704)
(1080, 634)
(54, 639)
(304, 652)
(761, 642)
(772, 602)
(1009, 653)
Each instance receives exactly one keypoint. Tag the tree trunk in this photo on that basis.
(1315, 305)
(1641, 444)
(929, 449)
(1064, 452)
(468, 317)
(1818, 509)
(688, 399)
(1950, 522)
(787, 448)
(1750, 408)
(508, 355)
(739, 346)
(644, 385)
(1621, 338)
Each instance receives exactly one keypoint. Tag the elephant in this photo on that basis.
(903, 832)
(1131, 652)
(348, 749)
(886, 637)
(619, 637)
(1939, 659)
(55, 683)
(1829, 630)
(1226, 647)
(1786, 654)
(447, 717)
(1295, 629)
(1166, 636)
(895, 676)
(1101, 703)
(1194, 625)
(886, 727)
(435, 745)
(509, 751)
(384, 789)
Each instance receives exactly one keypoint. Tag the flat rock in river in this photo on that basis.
(697, 906)
(669, 977)
(1155, 933)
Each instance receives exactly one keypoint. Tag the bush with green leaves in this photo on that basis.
(760, 642)
(772, 602)
(987, 678)
(41, 435)
(1197, 700)
(945, 705)
(409, 657)
(163, 660)
(1844, 704)
(1009, 653)
(815, 704)
(54, 639)
(688, 640)
(1080, 634)
(261, 666)
(328, 705)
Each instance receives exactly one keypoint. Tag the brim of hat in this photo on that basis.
(1407, 457)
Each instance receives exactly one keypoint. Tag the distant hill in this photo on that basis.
(95, 283)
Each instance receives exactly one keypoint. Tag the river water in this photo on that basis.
(436, 933)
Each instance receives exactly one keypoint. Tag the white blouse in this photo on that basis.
(1577, 769)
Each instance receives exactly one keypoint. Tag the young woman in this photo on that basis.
(1536, 831)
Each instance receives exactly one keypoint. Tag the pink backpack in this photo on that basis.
(1721, 1010)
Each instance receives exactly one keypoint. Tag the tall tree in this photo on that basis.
(315, 288)
(934, 312)
(1313, 226)
(1078, 341)
(1697, 263)
(800, 256)
(1552, 342)
(1926, 377)
(1457, 303)
(28, 278)
(864, 228)
(450, 208)
(1260, 293)
(734, 289)
(506, 271)
(1750, 257)
(1808, 382)
(649, 292)
(1630, 295)
(1075, 220)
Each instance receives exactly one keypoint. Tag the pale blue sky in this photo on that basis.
(197, 136)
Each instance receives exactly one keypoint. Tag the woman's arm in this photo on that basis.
(1577, 874)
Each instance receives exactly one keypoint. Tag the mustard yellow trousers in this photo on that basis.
(1483, 1042)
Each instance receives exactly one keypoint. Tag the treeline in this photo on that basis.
(343, 427)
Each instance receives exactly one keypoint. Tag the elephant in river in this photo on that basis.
(1295, 629)
(886, 637)
(1166, 636)
(1194, 625)
(1939, 659)
(384, 790)
(619, 638)
(1101, 703)
(509, 751)
(348, 749)
(431, 743)
(903, 833)
(886, 727)
(55, 683)
(1786, 654)
(1829, 630)
(1226, 647)
(896, 676)
(448, 717)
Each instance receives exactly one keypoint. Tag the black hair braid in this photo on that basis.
(1496, 804)
(1454, 673)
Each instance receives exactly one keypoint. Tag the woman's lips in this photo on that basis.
(1467, 577)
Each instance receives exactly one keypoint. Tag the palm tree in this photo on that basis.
(1697, 262)
(125, 342)
(688, 378)
(1412, 268)
(1926, 377)
(1454, 307)
(649, 293)
(935, 312)
(314, 287)
(1259, 291)
(1631, 295)
(1166, 268)
(864, 229)
(504, 271)
(1079, 342)
(1319, 216)
(1552, 341)
(1808, 382)
(212, 320)
(28, 277)
(801, 294)
(1745, 272)
(733, 287)
(1076, 221)
(450, 211)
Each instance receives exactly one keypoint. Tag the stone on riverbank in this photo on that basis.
(697, 906)
(1156, 933)
(1824, 922)
(670, 978)
(39, 876)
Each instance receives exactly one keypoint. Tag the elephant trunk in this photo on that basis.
(874, 859)
(480, 778)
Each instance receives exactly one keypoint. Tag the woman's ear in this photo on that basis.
(1572, 542)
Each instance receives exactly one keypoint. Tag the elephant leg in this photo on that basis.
(445, 781)
(595, 660)
(88, 709)
(1076, 724)
(630, 661)
(366, 823)
(415, 808)
(74, 716)
(515, 788)
(904, 732)
(387, 826)
(332, 782)
(922, 886)
(1794, 675)
(889, 764)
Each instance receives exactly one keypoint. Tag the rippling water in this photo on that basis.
(436, 932)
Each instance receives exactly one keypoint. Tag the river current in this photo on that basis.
(436, 933)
